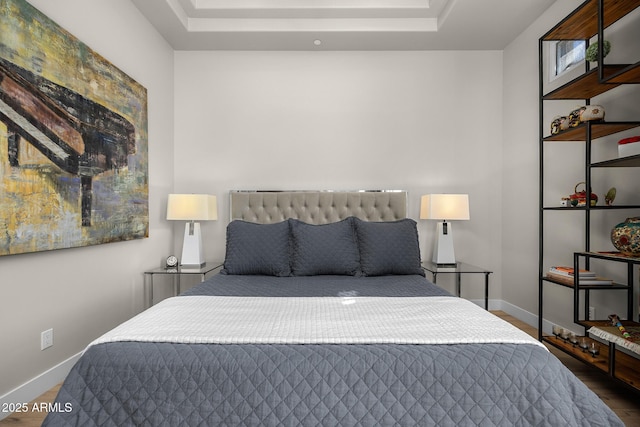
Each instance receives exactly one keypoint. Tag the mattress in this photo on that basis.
(170, 383)
(317, 286)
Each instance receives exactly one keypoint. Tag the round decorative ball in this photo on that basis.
(591, 54)
(626, 236)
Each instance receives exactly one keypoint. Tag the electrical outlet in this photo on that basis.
(46, 339)
(592, 313)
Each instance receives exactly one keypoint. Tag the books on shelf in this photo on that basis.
(569, 272)
(566, 275)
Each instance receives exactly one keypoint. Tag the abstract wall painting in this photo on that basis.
(73, 140)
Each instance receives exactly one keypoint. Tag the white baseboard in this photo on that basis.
(517, 312)
(35, 387)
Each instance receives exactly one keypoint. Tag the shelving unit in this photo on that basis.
(584, 23)
(621, 366)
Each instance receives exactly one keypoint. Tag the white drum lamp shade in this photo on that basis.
(192, 208)
(444, 207)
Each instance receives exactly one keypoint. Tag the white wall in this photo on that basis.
(564, 162)
(83, 292)
(420, 121)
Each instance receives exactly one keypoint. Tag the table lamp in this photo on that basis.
(192, 208)
(444, 207)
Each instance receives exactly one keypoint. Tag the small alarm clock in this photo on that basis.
(171, 262)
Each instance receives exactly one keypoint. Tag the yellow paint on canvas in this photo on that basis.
(40, 204)
(32, 207)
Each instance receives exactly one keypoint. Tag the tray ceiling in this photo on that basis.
(341, 24)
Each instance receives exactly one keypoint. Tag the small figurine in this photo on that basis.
(579, 198)
(559, 124)
(616, 322)
(610, 196)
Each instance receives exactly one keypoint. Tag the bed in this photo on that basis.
(321, 316)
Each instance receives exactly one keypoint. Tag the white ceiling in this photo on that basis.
(341, 24)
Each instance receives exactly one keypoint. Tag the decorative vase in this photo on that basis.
(626, 237)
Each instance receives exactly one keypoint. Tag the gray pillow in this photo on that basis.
(389, 247)
(324, 249)
(257, 249)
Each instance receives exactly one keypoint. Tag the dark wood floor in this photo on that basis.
(625, 403)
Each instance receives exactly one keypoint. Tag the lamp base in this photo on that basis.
(192, 253)
(443, 253)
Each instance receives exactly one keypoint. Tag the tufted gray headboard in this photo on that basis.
(318, 207)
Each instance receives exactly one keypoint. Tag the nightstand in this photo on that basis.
(459, 269)
(177, 273)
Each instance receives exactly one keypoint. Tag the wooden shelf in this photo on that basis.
(557, 282)
(612, 256)
(630, 74)
(582, 24)
(623, 162)
(626, 366)
(587, 85)
(601, 361)
(593, 208)
(599, 129)
(590, 287)
(601, 323)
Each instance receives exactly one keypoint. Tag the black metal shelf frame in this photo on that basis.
(608, 77)
(631, 262)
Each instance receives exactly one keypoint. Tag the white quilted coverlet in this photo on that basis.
(321, 320)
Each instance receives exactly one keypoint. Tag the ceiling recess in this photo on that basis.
(341, 24)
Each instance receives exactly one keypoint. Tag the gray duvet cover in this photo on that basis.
(154, 384)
